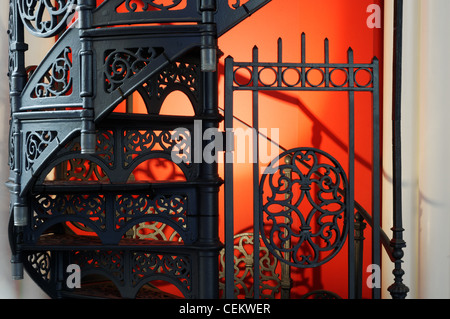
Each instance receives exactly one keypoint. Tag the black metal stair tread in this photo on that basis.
(107, 290)
(68, 241)
(146, 119)
(74, 186)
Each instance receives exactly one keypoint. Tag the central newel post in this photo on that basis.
(209, 181)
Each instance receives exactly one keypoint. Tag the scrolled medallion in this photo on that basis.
(303, 212)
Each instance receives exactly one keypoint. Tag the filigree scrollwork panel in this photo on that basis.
(234, 4)
(88, 208)
(80, 169)
(12, 38)
(123, 64)
(11, 149)
(244, 269)
(109, 262)
(171, 210)
(58, 80)
(35, 144)
(140, 211)
(150, 5)
(177, 268)
(182, 76)
(45, 18)
(303, 215)
(137, 143)
(155, 231)
(40, 262)
(104, 149)
(143, 267)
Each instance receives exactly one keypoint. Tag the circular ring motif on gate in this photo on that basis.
(363, 77)
(303, 207)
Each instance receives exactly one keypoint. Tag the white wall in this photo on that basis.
(425, 148)
(434, 149)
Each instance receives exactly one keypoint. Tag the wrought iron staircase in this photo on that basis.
(72, 157)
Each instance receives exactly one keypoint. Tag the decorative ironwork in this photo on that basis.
(131, 207)
(182, 76)
(234, 4)
(80, 169)
(121, 65)
(304, 76)
(177, 268)
(44, 18)
(137, 143)
(128, 210)
(11, 149)
(36, 143)
(155, 231)
(40, 262)
(57, 81)
(244, 269)
(104, 149)
(308, 217)
(143, 267)
(12, 38)
(109, 262)
(89, 209)
(145, 5)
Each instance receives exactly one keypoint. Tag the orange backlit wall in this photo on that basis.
(312, 119)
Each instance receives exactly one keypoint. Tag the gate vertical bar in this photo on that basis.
(228, 180)
(256, 203)
(351, 178)
(208, 226)
(376, 171)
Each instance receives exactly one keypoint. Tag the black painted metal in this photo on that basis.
(62, 124)
(255, 84)
(398, 289)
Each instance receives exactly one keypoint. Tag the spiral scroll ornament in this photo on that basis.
(303, 212)
(151, 4)
(121, 65)
(45, 18)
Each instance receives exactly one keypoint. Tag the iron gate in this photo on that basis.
(286, 231)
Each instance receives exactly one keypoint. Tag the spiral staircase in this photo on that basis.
(75, 198)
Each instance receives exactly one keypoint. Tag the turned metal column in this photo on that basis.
(18, 78)
(88, 135)
(398, 290)
(209, 181)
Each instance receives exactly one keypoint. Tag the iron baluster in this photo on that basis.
(360, 225)
(398, 289)
(286, 280)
